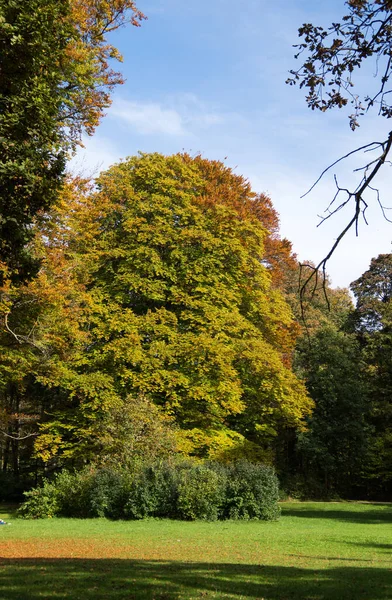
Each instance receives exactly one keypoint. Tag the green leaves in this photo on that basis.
(153, 285)
(55, 83)
(184, 310)
(32, 40)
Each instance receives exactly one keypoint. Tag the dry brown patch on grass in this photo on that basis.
(63, 548)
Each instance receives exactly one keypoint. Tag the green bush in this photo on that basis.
(252, 492)
(42, 502)
(153, 492)
(71, 494)
(88, 493)
(184, 490)
(110, 491)
(201, 493)
(93, 493)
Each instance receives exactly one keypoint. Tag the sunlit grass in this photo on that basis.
(317, 551)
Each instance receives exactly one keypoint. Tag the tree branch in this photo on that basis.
(18, 438)
(360, 208)
(22, 338)
(366, 146)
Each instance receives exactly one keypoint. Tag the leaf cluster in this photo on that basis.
(336, 53)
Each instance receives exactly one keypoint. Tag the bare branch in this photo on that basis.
(18, 438)
(376, 144)
(21, 339)
(10, 330)
(360, 209)
(382, 207)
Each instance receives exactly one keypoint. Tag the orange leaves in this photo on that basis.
(88, 78)
(95, 18)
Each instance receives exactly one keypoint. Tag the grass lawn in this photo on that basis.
(317, 551)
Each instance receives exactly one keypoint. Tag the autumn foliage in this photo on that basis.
(157, 283)
(55, 84)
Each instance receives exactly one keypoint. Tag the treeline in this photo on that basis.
(344, 357)
(165, 320)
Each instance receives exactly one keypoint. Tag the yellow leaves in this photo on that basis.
(98, 17)
(222, 445)
(47, 446)
(193, 248)
(88, 78)
(154, 284)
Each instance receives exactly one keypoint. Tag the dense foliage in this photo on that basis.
(164, 321)
(153, 314)
(33, 38)
(153, 286)
(343, 355)
(372, 321)
(182, 490)
(55, 83)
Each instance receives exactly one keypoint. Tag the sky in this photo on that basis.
(209, 77)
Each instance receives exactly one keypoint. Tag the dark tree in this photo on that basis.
(55, 83)
(33, 37)
(333, 450)
(373, 291)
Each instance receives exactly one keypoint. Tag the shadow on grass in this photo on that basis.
(385, 548)
(378, 514)
(120, 579)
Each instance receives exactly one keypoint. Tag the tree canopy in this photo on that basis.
(155, 285)
(55, 82)
(373, 320)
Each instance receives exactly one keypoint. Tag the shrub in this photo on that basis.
(153, 492)
(41, 503)
(75, 494)
(252, 492)
(201, 493)
(109, 493)
(89, 493)
(184, 490)
(71, 494)
(93, 493)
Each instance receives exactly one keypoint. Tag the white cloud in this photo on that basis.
(132, 126)
(149, 118)
(176, 116)
(97, 154)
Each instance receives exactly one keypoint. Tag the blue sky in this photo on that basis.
(209, 77)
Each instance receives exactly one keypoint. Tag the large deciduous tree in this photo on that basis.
(159, 286)
(191, 316)
(55, 82)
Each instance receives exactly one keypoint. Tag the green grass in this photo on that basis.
(317, 551)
